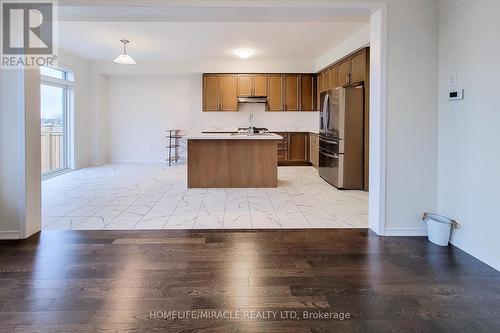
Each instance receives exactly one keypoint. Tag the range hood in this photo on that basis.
(252, 99)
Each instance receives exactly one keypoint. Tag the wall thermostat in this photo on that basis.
(455, 94)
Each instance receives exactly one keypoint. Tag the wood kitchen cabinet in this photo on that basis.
(294, 148)
(275, 93)
(228, 92)
(284, 92)
(298, 147)
(332, 78)
(307, 93)
(353, 69)
(245, 85)
(343, 72)
(252, 85)
(220, 92)
(211, 90)
(358, 67)
(291, 98)
(291, 92)
(260, 85)
(283, 147)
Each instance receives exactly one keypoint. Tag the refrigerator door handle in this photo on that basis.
(326, 112)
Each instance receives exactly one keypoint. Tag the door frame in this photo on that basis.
(378, 108)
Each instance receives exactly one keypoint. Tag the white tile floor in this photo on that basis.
(150, 196)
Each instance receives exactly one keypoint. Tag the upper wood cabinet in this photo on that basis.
(358, 67)
(245, 85)
(344, 71)
(211, 92)
(284, 92)
(307, 93)
(275, 92)
(229, 92)
(332, 78)
(220, 92)
(252, 85)
(353, 69)
(291, 99)
(260, 85)
(323, 80)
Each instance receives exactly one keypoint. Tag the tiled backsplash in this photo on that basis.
(276, 121)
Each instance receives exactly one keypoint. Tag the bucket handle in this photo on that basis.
(454, 223)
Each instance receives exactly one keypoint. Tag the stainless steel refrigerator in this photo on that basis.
(341, 137)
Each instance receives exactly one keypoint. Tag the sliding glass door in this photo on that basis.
(54, 121)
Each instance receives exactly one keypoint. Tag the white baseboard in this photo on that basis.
(405, 232)
(5, 235)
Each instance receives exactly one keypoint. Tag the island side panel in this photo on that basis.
(232, 163)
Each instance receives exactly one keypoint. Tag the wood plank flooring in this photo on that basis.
(125, 281)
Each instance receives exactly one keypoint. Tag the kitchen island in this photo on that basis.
(232, 160)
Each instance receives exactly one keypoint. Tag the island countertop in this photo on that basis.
(229, 136)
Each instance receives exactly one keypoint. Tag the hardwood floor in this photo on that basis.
(125, 281)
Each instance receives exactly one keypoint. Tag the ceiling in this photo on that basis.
(204, 41)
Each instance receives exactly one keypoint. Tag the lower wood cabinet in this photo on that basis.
(299, 147)
(294, 148)
(283, 147)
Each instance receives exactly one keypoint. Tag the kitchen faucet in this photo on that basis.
(251, 129)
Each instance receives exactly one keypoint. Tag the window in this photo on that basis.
(56, 93)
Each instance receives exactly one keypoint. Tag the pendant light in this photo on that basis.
(124, 59)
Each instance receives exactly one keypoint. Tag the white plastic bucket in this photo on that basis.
(438, 228)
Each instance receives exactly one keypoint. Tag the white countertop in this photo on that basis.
(228, 136)
(272, 130)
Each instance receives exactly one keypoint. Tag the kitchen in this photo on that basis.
(339, 149)
(250, 124)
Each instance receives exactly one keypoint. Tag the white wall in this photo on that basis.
(469, 155)
(19, 153)
(355, 42)
(11, 101)
(142, 107)
(99, 114)
(82, 112)
(412, 115)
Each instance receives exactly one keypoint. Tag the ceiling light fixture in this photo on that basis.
(243, 53)
(124, 59)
